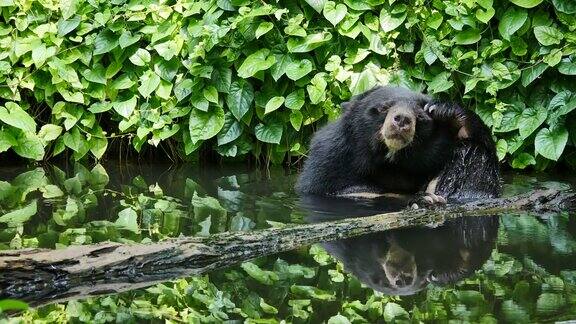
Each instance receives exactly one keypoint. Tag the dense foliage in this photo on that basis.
(247, 77)
(528, 278)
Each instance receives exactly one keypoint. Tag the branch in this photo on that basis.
(42, 276)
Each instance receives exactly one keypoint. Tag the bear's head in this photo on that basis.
(391, 116)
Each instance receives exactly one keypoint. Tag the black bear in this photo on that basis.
(393, 140)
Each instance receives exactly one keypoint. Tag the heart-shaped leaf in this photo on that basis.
(273, 104)
(297, 70)
(548, 35)
(205, 124)
(334, 13)
(511, 21)
(126, 39)
(550, 143)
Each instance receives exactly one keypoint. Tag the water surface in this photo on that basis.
(501, 268)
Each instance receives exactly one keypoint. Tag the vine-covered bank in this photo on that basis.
(251, 77)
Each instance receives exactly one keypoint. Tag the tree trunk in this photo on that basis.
(41, 276)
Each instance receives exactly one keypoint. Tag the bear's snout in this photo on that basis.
(402, 122)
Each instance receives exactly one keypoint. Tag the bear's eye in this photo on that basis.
(378, 110)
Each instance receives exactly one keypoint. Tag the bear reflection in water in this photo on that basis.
(405, 261)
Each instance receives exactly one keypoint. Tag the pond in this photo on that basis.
(514, 268)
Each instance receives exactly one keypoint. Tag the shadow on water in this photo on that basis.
(405, 261)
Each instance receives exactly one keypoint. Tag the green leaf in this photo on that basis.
(148, 83)
(126, 39)
(548, 35)
(230, 131)
(440, 83)
(561, 104)
(125, 108)
(73, 139)
(168, 50)
(98, 146)
(96, 74)
(550, 143)
(211, 94)
(258, 61)
(49, 132)
(7, 140)
(65, 26)
(317, 89)
(512, 20)
(141, 57)
(308, 43)
(312, 292)
(295, 100)
(13, 115)
(485, 15)
(549, 304)
(519, 46)
(565, 6)
(205, 125)
(501, 149)
(513, 313)
(12, 304)
(316, 4)
(183, 89)
(435, 20)
(222, 78)
(532, 73)
(273, 104)
(105, 42)
(362, 82)
(281, 65)
(334, 13)
(269, 309)
(128, 220)
(467, 37)
(522, 161)
(199, 101)
(29, 146)
(263, 28)
(240, 97)
(390, 21)
(338, 319)
(66, 72)
(393, 311)
(531, 119)
(41, 53)
(269, 133)
(296, 119)
(20, 216)
(299, 69)
(553, 58)
(68, 8)
(167, 70)
(262, 276)
(567, 67)
(526, 3)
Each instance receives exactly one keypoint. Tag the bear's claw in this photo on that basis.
(427, 200)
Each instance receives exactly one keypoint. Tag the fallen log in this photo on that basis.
(41, 276)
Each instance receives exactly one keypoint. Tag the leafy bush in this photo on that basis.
(248, 77)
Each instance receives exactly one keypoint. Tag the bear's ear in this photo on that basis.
(382, 107)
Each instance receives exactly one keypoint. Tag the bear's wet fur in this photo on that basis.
(450, 143)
